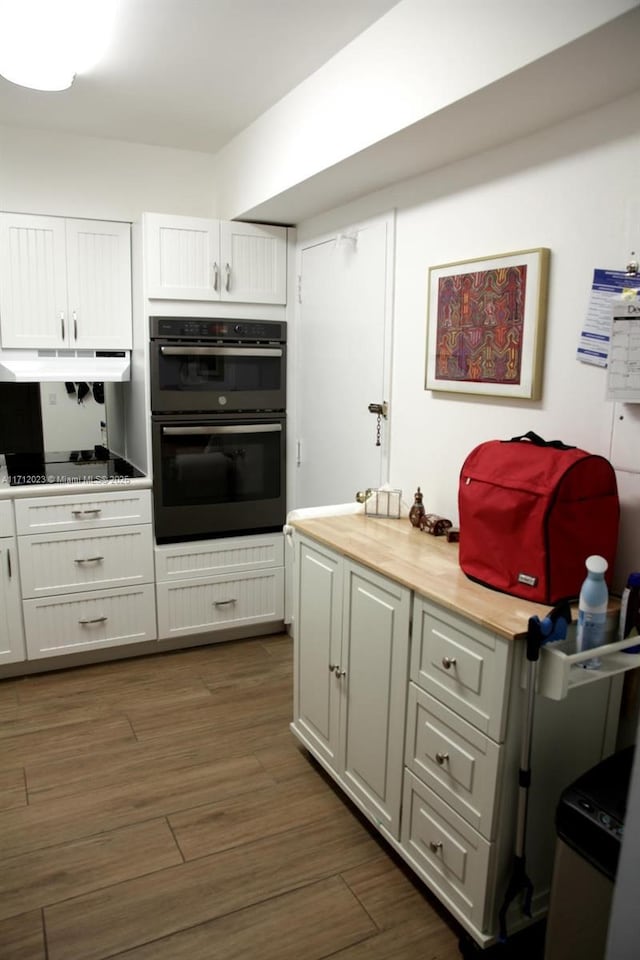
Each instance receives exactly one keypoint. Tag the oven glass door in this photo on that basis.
(188, 376)
(218, 478)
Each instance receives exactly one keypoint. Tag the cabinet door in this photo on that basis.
(182, 257)
(33, 286)
(99, 284)
(375, 661)
(253, 259)
(11, 629)
(317, 650)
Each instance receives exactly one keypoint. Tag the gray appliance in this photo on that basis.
(590, 826)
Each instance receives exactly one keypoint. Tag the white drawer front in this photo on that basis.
(453, 758)
(186, 561)
(84, 560)
(451, 856)
(6, 518)
(465, 667)
(190, 606)
(67, 512)
(88, 621)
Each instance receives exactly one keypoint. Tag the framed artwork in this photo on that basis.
(485, 325)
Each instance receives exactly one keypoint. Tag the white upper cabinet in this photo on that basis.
(193, 258)
(64, 284)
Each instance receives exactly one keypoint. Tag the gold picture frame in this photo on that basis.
(485, 324)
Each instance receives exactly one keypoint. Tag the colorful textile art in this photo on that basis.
(480, 326)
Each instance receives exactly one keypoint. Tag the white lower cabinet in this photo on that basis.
(87, 571)
(212, 585)
(351, 661)
(11, 627)
(422, 723)
(89, 621)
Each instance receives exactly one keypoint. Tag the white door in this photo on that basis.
(33, 283)
(342, 363)
(99, 284)
(182, 257)
(253, 262)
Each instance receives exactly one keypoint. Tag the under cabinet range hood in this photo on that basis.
(41, 366)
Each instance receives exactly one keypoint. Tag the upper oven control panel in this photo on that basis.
(186, 328)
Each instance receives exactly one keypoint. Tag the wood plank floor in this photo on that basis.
(160, 809)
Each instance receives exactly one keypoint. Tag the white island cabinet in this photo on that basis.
(11, 629)
(352, 647)
(409, 688)
(64, 284)
(194, 258)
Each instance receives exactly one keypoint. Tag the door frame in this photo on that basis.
(346, 232)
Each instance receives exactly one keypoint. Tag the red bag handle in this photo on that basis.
(539, 442)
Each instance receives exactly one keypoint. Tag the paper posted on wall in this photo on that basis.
(594, 342)
(623, 375)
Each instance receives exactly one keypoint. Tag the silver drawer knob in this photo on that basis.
(442, 758)
(448, 662)
(435, 845)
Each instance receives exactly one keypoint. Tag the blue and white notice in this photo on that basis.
(594, 342)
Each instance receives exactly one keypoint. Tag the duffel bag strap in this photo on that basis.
(539, 442)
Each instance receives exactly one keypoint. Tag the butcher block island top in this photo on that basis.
(424, 563)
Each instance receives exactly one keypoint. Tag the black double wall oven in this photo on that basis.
(218, 399)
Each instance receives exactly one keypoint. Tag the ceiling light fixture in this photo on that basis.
(45, 43)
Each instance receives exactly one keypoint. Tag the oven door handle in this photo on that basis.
(212, 431)
(221, 351)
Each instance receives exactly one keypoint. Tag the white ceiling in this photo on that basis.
(193, 73)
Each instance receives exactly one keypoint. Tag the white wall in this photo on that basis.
(419, 59)
(72, 176)
(573, 188)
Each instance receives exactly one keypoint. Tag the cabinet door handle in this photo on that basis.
(448, 662)
(89, 560)
(340, 673)
(227, 277)
(333, 666)
(223, 603)
(435, 845)
(442, 758)
(81, 513)
(62, 324)
(215, 276)
(85, 621)
(75, 325)
(9, 563)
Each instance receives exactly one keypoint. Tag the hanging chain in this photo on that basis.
(378, 430)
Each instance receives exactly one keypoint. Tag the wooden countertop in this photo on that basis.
(424, 563)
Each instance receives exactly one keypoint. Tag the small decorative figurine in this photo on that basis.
(435, 525)
(416, 513)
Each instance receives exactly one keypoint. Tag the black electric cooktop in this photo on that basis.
(97, 465)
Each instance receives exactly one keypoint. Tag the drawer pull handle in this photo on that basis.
(81, 513)
(84, 622)
(435, 845)
(442, 758)
(448, 662)
(89, 560)
(224, 603)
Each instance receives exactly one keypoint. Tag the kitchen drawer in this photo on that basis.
(6, 518)
(462, 665)
(451, 856)
(89, 511)
(89, 621)
(453, 758)
(86, 560)
(200, 606)
(206, 558)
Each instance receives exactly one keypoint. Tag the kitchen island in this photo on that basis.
(409, 689)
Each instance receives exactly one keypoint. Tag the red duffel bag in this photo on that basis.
(531, 512)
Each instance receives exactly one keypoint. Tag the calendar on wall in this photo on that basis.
(623, 372)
